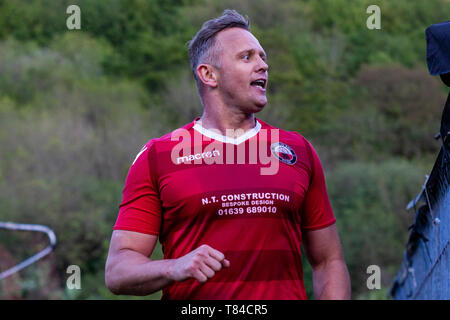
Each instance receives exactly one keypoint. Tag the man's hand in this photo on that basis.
(201, 264)
(130, 271)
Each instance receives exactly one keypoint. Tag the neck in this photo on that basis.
(226, 119)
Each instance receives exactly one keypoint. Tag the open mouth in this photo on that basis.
(259, 83)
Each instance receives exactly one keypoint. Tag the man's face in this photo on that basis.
(242, 76)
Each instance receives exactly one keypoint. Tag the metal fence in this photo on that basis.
(425, 269)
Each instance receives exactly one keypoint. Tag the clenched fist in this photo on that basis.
(201, 264)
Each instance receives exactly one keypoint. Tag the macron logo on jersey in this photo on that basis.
(198, 156)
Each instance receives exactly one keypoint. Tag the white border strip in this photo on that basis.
(216, 136)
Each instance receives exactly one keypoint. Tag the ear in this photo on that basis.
(207, 75)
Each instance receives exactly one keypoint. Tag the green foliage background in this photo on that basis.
(76, 107)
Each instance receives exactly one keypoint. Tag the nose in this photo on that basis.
(262, 65)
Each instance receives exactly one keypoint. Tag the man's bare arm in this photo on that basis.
(129, 270)
(330, 275)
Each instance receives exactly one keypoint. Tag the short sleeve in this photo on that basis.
(140, 209)
(316, 210)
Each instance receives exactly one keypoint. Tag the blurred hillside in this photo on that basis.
(77, 106)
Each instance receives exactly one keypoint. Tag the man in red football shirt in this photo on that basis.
(231, 198)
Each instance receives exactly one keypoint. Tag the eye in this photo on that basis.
(246, 57)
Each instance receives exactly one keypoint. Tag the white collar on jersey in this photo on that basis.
(217, 136)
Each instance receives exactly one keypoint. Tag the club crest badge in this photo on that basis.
(283, 152)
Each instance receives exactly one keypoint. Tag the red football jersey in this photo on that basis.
(249, 198)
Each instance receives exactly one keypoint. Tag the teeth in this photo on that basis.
(259, 83)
